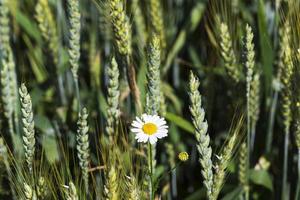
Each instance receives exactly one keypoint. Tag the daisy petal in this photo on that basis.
(152, 139)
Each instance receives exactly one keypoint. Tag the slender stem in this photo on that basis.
(150, 170)
(253, 132)
(247, 194)
(77, 92)
(285, 165)
(271, 123)
(173, 184)
(248, 141)
(298, 183)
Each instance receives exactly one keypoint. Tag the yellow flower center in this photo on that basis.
(183, 156)
(149, 128)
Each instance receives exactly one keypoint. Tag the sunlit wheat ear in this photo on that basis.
(243, 166)
(223, 162)
(111, 187)
(74, 38)
(41, 188)
(286, 78)
(29, 193)
(157, 22)
(228, 54)
(133, 190)
(286, 96)
(254, 99)
(28, 126)
(250, 57)
(121, 27)
(113, 112)
(153, 76)
(83, 145)
(47, 26)
(203, 139)
(71, 192)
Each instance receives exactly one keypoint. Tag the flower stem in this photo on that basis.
(150, 171)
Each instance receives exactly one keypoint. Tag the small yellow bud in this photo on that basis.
(183, 156)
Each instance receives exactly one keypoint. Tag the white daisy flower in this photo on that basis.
(149, 128)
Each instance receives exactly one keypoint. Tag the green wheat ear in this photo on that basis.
(254, 99)
(133, 189)
(41, 188)
(228, 54)
(223, 161)
(71, 193)
(201, 126)
(243, 166)
(250, 57)
(28, 126)
(111, 188)
(74, 40)
(286, 78)
(4, 24)
(83, 145)
(47, 26)
(8, 75)
(121, 27)
(156, 14)
(113, 112)
(153, 77)
(29, 193)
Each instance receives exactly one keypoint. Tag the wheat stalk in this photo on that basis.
(28, 126)
(243, 179)
(254, 104)
(157, 22)
(133, 190)
(286, 79)
(71, 193)
(113, 111)
(121, 27)
(153, 77)
(74, 42)
(122, 38)
(47, 26)
(41, 188)
(200, 125)
(8, 72)
(83, 145)
(111, 188)
(29, 193)
(228, 53)
(4, 24)
(222, 164)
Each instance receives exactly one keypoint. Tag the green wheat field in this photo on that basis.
(149, 99)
